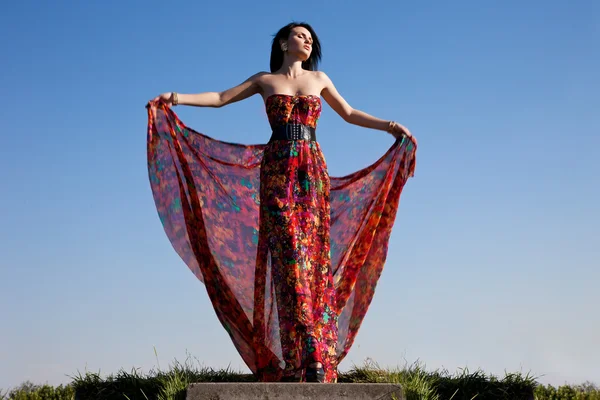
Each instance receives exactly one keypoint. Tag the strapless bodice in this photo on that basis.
(298, 109)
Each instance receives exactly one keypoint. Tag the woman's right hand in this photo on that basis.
(166, 98)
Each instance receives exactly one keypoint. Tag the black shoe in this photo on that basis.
(290, 378)
(315, 375)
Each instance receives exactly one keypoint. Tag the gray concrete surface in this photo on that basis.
(294, 391)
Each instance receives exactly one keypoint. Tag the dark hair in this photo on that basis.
(284, 33)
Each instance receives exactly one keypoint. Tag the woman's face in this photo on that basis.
(300, 42)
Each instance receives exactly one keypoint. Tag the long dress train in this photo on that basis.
(289, 255)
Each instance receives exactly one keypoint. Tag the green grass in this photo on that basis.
(418, 383)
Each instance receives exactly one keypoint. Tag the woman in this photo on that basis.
(254, 223)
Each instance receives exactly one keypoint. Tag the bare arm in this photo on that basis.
(357, 117)
(349, 114)
(219, 99)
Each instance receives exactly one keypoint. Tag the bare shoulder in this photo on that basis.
(322, 76)
(259, 76)
(262, 78)
(258, 80)
(323, 80)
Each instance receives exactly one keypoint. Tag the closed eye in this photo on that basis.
(302, 35)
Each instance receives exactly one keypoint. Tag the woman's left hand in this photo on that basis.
(400, 130)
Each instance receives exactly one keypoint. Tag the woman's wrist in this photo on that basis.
(390, 126)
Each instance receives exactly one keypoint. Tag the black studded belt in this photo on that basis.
(294, 132)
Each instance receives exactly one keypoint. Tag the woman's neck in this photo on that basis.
(292, 68)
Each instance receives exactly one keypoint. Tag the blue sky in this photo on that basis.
(491, 263)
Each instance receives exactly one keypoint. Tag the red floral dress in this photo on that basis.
(293, 247)
(289, 255)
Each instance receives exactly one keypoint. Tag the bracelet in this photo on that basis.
(391, 126)
(175, 99)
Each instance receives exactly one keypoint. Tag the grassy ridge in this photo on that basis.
(416, 381)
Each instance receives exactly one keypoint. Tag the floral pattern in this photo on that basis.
(290, 256)
(293, 248)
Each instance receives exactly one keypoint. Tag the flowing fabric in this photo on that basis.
(290, 256)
